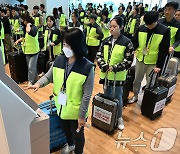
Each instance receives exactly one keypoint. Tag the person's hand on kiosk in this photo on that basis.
(35, 87)
(156, 70)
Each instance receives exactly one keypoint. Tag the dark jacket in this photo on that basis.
(164, 45)
(128, 55)
(173, 23)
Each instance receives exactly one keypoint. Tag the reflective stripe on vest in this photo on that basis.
(117, 56)
(30, 45)
(152, 53)
(82, 16)
(91, 39)
(57, 49)
(62, 20)
(37, 22)
(74, 95)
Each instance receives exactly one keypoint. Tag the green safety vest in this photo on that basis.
(130, 26)
(57, 49)
(117, 56)
(2, 45)
(30, 45)
(62, 20)
(37, 22)
(106, 32)
(91, 39)
(110, 15)
(98, 20)
(82, 16)
(173, 31)
(146, 9)
(74, 87)
(16, 25)
(86, 20)
(153, 48)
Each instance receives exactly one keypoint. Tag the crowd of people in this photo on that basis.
(92, 35)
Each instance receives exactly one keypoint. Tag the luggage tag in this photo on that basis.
(62, 98)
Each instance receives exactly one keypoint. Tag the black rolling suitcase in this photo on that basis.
(128, 84)
(154, 99)
(105, 111)
(57, 136)
(18, 66)
(170, 83)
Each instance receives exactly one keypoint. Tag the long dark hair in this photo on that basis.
(55, 13)
(52, 18)
(28, 18)
(76, 39)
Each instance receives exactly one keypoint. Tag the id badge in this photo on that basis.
(62, 98)
(144, 51)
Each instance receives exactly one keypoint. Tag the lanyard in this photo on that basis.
(66, 74)
(150, 40)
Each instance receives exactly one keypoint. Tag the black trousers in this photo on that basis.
(177, 54)
(70, 127)
(92, 51)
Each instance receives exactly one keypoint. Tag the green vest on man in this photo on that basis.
(152, 48)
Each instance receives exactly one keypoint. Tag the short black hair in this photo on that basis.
(76, 14)
(161, 10)
(93, 16)
(137, 9)
(25, 7)
(105, 12)
(36, 7)
(173, 4)
(123, 8)
(52, 18)
(118, 20)
(177, 10)
(76, 39)
(151, 17)
(42, 5)
(15, 9)
(4, 11)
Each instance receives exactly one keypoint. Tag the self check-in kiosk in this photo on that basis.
(24, 127)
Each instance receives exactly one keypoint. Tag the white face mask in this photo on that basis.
(68, 52)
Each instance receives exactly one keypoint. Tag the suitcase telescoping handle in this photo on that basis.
(51, 99)
(166, 62)
(114, 84)
(154, 75)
